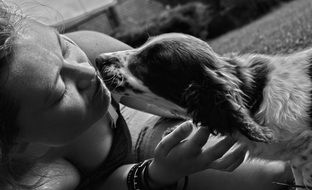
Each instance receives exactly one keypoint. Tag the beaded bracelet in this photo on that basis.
(139, 179)
(131, 184)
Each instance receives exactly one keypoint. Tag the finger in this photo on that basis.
(239, 160)
(235, 164)
(174, 138)
(230, 161)
(219, 149)
(232, 166)
(198, 140)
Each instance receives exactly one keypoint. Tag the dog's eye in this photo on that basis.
(155, 49)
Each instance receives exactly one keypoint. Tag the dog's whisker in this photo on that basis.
(108, 79)
(116, 81)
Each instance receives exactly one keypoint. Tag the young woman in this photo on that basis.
(60, 129)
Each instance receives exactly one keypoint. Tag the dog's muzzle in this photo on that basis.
(109, 69)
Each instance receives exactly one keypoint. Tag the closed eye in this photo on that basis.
(65, 48)
(62, 96)
(60, 91)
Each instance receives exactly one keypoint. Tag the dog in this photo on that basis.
(263, 101)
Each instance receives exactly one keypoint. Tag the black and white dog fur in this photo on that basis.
(263, 101)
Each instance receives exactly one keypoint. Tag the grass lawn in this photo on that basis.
(285, 30)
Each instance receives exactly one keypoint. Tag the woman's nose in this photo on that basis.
(81, 73)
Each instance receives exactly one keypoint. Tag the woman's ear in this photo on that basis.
(222, 110)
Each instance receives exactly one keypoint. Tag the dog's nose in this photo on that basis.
(102, 60)
(106, 60)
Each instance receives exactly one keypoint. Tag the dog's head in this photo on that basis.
(183, 74)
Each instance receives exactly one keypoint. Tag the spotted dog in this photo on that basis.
(263, 101)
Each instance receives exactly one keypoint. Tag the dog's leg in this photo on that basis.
(302, 165)
(298, 177)
(306, 158)
(302, 162)
(307, 175)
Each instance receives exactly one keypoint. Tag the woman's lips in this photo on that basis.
(99, 89)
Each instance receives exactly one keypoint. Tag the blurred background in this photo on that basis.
(261, 26)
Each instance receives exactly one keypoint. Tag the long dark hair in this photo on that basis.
(10, 24)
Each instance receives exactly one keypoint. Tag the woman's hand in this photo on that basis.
(177, 156)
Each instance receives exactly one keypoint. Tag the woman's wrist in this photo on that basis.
(139, 177)
(158, 178)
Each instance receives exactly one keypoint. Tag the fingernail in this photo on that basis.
(187, 126)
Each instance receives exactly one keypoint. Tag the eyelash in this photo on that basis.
(65, 48)
(63, 95)
(65, 92)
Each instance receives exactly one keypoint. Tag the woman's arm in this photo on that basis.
(58, 174)
(95, 43)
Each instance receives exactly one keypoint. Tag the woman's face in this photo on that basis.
(58, 91)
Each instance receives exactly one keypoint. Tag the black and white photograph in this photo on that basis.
(155, 94)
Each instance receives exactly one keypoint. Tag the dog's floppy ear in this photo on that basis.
(218, 104)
